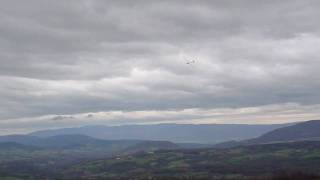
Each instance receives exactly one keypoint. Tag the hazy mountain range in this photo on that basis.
(55, 153)
(305, 131)
(168, 135)
(179, 133)
(309, 130)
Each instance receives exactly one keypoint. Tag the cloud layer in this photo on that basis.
(77, 57)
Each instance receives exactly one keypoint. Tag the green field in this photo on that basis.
(243, 162)
(235, 163)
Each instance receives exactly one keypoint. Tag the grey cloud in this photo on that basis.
(84, 56)
(278, 113)
(61, 118)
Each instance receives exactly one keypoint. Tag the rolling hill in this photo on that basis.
(151, 146)
(244, 162)
(21, 139)
(11, 146)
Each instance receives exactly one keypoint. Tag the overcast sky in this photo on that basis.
(82, 62)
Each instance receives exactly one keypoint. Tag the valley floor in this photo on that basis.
(124, 160)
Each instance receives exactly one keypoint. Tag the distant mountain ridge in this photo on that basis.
(82, 143)
(14, 145)
(309, 130)
(177, 133)
(21, 139)
(63, 141)
(304, 131)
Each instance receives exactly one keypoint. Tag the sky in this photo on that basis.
(87, 62)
